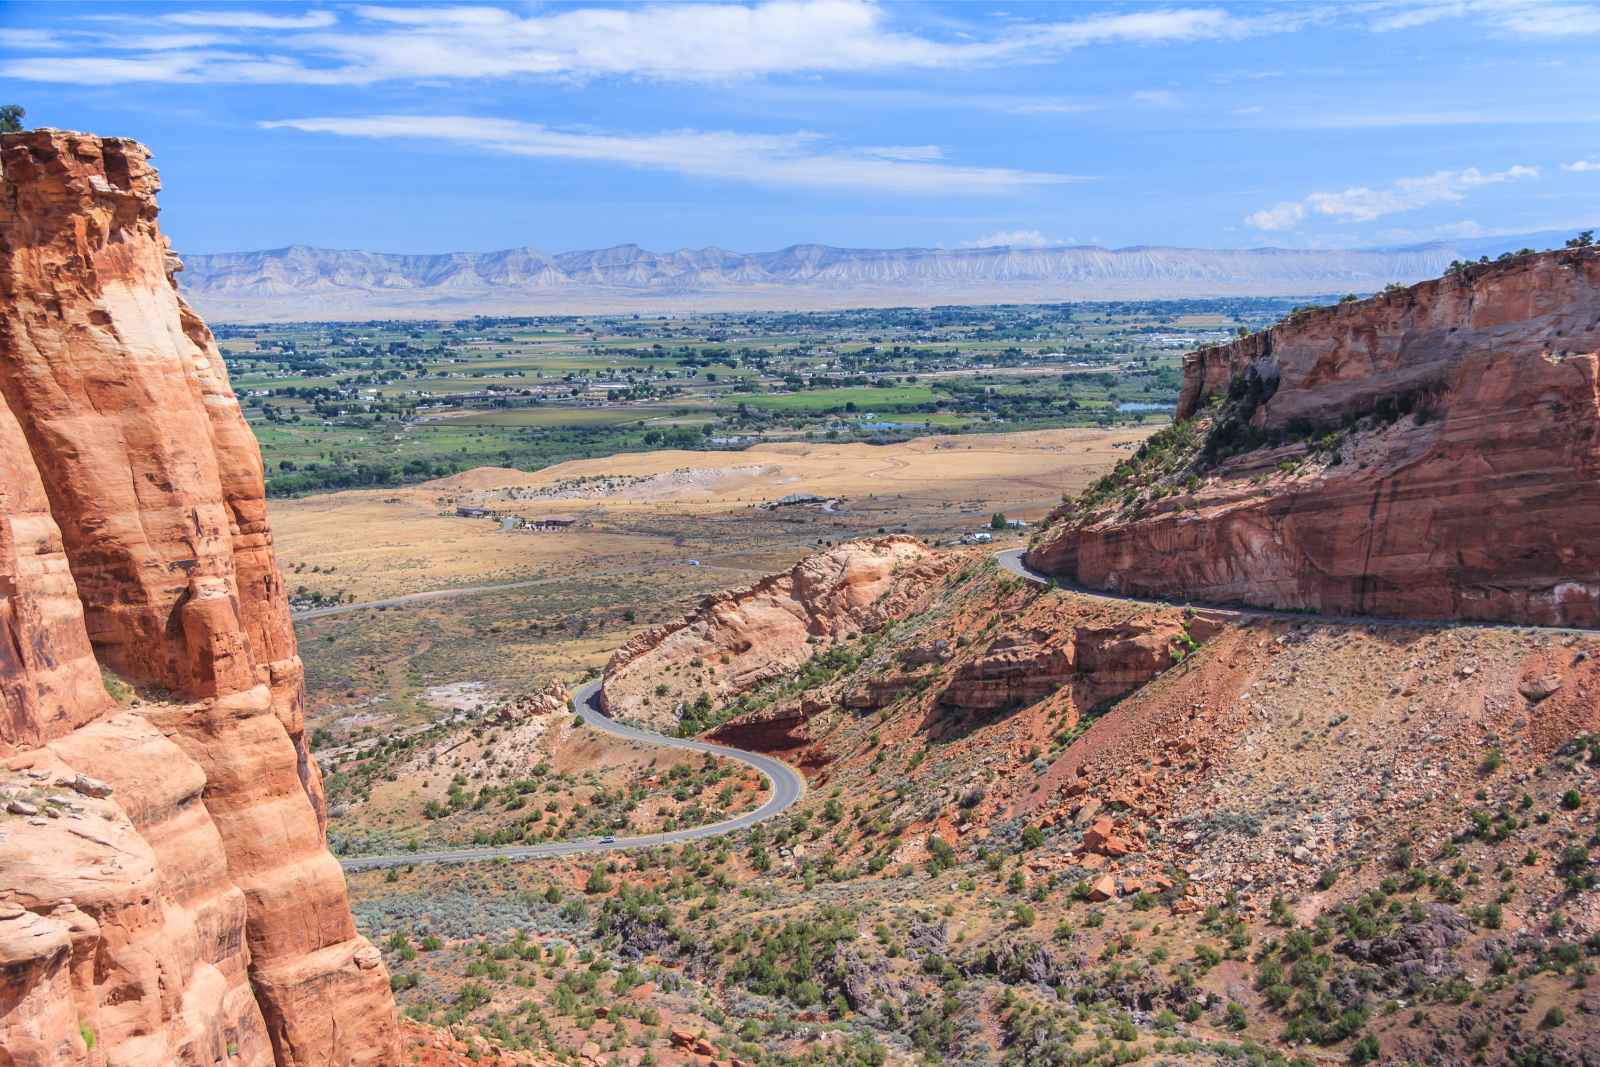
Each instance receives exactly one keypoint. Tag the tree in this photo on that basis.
(998, 522)
(1583, 240)
(11, 118)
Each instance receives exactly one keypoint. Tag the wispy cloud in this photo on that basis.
(1364, 204)
(1527, 18)
(1156, 97)
(252, 20)
(685, 42)
(1014, 239)
(19, 38)
(1583, 166)
(795, 159)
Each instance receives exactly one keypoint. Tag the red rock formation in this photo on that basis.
(1467, 488)
(1099, 663)
(1016, 669)
(737, 640)
(178, 903)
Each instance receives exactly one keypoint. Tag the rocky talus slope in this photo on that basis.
(1431, 452)
(166, 897)
(736, 640)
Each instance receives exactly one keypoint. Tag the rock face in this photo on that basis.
(737, 640)
(1463, 484)
(1100, 663)
(174, 901)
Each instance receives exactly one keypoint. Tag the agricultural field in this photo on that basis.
(383, 404)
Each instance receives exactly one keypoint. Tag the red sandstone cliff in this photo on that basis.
(1431, 452)
(737, 640)
(167, 897)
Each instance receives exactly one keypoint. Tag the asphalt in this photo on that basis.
(786, 784)
(1011, 561)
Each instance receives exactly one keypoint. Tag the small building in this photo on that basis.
(547, 524)
(472, 513)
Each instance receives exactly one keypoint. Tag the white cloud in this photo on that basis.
(1014, 239)
(1045, 107)
(163, 42)
(1583, 166)
(682, 42)
(1145, 27)
(1527, 18)
(915, 152)
(18, 38)
(1283, 216)
(1156, 97)
(794, 159)
(1550, 20)
(252, 20)
(1364, 204)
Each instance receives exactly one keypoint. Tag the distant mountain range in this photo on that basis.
(299, 282)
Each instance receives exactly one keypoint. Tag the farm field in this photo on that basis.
(384, 404)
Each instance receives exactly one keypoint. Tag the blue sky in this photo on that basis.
(428, 128)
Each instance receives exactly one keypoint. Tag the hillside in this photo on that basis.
(1430, 452)
(318, 283)
(1093, 831)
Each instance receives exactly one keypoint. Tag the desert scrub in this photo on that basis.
(1167, 452)
(118, 690)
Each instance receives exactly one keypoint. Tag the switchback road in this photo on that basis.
(786, 784)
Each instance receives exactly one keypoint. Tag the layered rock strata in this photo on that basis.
(167, 896)
(737, 640)
(1432, 452)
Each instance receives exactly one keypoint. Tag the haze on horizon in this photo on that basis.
(755, 126)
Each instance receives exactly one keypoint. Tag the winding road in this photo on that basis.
(1011, 562)
(786, 783)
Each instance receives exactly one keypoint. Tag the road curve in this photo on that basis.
(1011, 561)
(786, 783)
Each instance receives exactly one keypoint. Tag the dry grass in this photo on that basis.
(381, 543)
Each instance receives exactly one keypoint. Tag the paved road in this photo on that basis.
(1011, 561)
(786, 783)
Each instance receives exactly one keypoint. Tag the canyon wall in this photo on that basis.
(1432, 452)
(737, 640)
(168, 897)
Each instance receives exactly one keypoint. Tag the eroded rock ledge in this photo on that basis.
(737, 640)
(1432, 452)
(168, 896)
